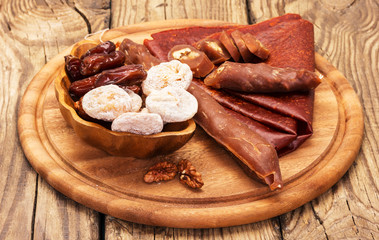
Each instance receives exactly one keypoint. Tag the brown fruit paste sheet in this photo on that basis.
(285, 119)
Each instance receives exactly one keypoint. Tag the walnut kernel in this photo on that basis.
(188, 174)
(162, 171)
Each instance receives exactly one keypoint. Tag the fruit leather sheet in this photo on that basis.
(285, 120)
(163, 41)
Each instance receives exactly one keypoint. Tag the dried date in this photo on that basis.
(98, 62)
(105, 47)
(130, 75)
(162, 171)
(188, 174)
(78, 88)
(72, 68)
(126, 75)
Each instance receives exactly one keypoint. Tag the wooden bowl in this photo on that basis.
(173, 136)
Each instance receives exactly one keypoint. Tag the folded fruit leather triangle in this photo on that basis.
(283, 119)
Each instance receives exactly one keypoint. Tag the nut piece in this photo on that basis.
(162, 171)
(188, 174)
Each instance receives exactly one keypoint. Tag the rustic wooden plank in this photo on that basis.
(131, 12)
(116, 228)
(74, 220)
(95, 14)
(350, 209)
(357, 188)
(58, 217)
(17, 179)
(31, 34)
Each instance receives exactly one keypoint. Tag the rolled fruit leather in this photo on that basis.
(214, 49)
(258, 155)
(290, 42)
(197, 60)
(247, 56)
(261, 78)
(250, 114)
(255, 46)
(230, 45)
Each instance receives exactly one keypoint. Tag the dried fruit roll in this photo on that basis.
(163, 41)
(247, 56)
(214, 49)
(247, 77)
(255, 46)
(229, 44)
(249, 147)
(195, 59)
(138, 54)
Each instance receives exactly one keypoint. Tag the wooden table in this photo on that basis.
(33, 32)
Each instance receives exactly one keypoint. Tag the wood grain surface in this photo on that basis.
(32, 32)
(228, 198)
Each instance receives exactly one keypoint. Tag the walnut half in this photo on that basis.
(162, 171)
(188, 174)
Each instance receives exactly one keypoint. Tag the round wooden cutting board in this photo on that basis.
(114, 185)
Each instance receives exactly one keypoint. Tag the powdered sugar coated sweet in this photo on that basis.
(173, 73)
(139, 123)
(107, 102)
(173, 104)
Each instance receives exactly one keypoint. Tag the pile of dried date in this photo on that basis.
(126, 91)
(164, 171)
(100, 66)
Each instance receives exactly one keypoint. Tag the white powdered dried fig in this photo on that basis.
(138, 123)
(172, 104)
(173, 73)
(106, 102)
(136, 100)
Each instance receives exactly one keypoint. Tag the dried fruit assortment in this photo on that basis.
(257, 78)
(283, 119)
(106, 86)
